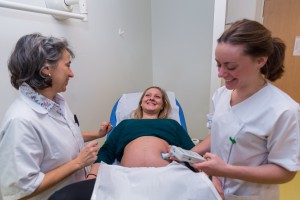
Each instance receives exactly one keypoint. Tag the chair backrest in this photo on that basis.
(129, 102)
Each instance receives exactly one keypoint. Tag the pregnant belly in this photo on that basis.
(145, 152)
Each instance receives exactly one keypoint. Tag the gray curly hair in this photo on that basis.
(31, 53)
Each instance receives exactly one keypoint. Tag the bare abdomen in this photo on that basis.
(145, 152)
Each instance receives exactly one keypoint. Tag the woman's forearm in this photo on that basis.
(265, 174)
(55, 176)
(91, 135)
(93, 171)
(203, 146)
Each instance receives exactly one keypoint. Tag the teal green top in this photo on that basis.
(127, 130)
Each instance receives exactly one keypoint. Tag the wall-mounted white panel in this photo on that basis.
(239, 9)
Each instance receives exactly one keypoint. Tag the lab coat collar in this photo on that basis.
(36, 107)
(57, 106)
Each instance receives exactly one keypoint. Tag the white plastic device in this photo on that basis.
(186, 155)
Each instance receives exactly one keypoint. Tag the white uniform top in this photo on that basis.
(33, 141)
(262, 129)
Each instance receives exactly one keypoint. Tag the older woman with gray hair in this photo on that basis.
(41, 145)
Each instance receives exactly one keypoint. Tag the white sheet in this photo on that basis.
(174, 181)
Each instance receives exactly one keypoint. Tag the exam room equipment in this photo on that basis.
(59, 9)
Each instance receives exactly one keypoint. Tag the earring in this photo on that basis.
(44, 76)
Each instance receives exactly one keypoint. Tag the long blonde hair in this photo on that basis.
(163, 114)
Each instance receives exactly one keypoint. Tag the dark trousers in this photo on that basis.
(77, 191)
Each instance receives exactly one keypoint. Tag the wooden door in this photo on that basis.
(282, 17)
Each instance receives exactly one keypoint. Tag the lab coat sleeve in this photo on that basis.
(283, 144)
(21, 154)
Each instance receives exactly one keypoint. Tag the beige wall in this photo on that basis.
(107, 64)
(181, 55)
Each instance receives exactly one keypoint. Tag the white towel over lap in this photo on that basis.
(174, 181)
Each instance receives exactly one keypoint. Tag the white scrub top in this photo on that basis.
(34, 141)
(262, 129)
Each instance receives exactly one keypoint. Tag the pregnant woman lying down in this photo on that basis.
(136, 142)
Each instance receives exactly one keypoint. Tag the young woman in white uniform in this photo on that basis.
(41, 145)
(254, 143)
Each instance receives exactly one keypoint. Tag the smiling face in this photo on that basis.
(238, 70)
(152, 102)
(61, 73)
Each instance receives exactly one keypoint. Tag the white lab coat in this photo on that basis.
(34, 141)
(265, 128)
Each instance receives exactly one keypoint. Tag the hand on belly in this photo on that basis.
(145, 152)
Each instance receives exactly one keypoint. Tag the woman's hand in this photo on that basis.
(262, 174)
(213, 166)
(169, 155)
(105, 127)
(88, 154)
